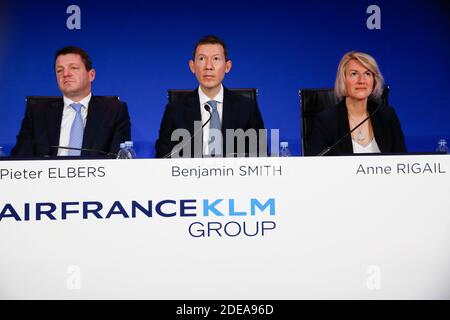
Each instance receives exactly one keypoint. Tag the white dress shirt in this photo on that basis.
(67, 120)
(205, 114)
(372, 147)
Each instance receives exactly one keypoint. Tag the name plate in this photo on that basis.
(370, 227)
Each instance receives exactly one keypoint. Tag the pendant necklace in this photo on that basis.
(360, 136)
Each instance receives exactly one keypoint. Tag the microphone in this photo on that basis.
(109, 154)
(207, 107)
(328, 149)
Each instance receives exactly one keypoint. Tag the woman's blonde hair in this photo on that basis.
(368, 62)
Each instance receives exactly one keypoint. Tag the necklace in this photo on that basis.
(360, 136)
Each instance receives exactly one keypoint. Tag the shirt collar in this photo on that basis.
(204, 98)
(84, 101)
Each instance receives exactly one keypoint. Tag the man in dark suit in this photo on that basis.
(78, 119)
(211, 103)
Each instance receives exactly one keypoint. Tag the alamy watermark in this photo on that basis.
(73, 22)
(73, 281)
(373, 281)
(374, 20)
(250, 142)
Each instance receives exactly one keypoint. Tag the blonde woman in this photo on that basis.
(359, 86)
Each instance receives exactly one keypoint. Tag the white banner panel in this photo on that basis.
(374, 227)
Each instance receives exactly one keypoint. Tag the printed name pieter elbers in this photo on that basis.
(402, 168)
(225, 171)
(53, 173)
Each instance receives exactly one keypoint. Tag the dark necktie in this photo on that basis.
(214, 148)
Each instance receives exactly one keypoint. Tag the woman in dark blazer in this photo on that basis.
(359, 86)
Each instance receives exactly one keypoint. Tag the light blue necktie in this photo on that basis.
(76, 132)
(214, 124)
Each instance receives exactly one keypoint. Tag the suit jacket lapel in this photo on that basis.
(343, 128)
(93, 123)
(378, 130)
(192, 111)
(231, 111)
(54, 118)
(228, 111)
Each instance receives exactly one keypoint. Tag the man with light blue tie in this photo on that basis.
(211, 100)
(79, 120)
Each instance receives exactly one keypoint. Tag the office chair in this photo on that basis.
(32, 100)
(175, 94)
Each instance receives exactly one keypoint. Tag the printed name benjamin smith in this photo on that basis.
(224, 171)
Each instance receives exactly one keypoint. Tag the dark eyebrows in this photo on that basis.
(213, 56)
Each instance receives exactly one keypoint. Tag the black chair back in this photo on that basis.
(32, 100)
(175, 94)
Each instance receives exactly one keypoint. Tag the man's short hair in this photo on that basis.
(76, 50)
(211, 39)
